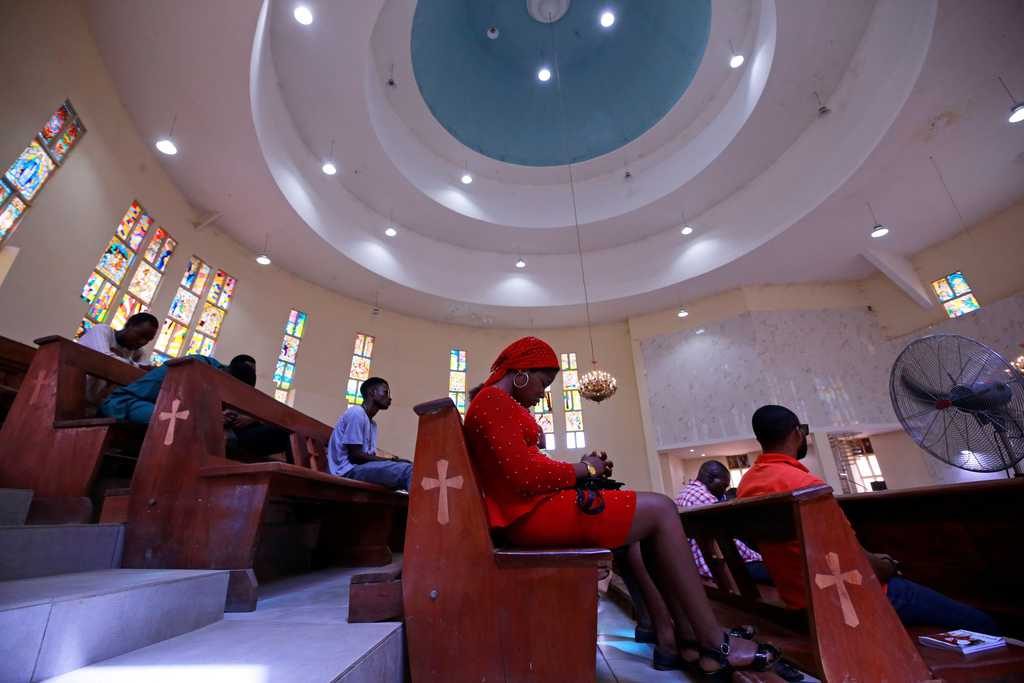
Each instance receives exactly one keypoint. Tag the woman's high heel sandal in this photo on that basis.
(764, 658)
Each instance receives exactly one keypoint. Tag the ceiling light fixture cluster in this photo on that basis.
(544, 75)
(607, 18)
(264, 256)
(682, 313)
(328, 166)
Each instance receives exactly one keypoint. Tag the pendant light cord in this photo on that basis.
(572, 192)
(935, 165)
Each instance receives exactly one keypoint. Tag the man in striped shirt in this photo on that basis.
(707, 489)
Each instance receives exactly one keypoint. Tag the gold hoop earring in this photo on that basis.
(523, 385)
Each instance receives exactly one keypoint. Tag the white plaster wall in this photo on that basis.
(830, 366)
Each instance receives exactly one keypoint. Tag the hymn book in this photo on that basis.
(964, 641)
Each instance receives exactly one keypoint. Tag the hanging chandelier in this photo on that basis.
(596, 385)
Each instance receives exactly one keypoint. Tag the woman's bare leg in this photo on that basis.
(657, 609)
(657, 527)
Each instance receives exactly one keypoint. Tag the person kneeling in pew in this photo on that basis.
(352, 450)
(783, 440)
(246, 436)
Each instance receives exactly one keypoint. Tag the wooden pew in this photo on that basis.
(474, 612)
(853, 634)
(15, 358)
(192, 508)
(961, 540)
(51, 443)
(863, 642)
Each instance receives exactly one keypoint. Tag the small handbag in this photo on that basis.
(589, 496)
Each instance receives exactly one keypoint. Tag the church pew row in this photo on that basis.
(52, 442)
(15, 358)
(849, 630)
(190, 507)
(474, 612)
(958, 539)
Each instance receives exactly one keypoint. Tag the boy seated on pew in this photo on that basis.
(246, 436)
(783, 441)
(125, 344)
(352, 451)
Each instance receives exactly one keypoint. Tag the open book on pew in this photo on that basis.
(964, 641)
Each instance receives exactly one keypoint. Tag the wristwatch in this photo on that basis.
(591, 470)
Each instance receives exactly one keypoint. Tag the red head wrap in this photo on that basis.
(527, 353)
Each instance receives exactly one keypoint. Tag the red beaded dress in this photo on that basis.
(529, 496)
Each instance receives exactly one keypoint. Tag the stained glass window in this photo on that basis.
(26, 176)
(457, 378)
(360, 368)
(571, 401)
(294, 328)
(955, 295)
(110, 283)
(546, 419)
(30, 171)
(205, 322)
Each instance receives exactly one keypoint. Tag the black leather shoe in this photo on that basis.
(644, 635)
(667, 662)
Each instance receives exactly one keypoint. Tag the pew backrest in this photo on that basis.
(855, 634)
(50, 441)
(15, 359)
(947, 537)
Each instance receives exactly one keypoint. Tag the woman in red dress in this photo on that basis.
(533, 501)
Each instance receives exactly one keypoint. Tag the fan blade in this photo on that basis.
(919, 392)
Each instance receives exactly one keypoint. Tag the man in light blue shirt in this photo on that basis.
(352, 451)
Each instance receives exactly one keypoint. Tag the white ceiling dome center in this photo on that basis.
(547, 11)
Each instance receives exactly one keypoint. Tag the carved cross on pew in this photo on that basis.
(839, 579)
(442, 483)
(37, 385)
(172, 417)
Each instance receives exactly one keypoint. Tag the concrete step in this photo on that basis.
(49, 549)
(298, 634)
(55, 624)
(14, 504)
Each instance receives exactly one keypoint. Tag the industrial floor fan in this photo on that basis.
(962, 402)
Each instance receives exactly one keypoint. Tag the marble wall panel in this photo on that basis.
(831, 366)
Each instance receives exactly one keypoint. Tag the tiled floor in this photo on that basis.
(620, 659)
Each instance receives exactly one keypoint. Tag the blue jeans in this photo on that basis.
(919, 605)
(393, 475)
(128, 409)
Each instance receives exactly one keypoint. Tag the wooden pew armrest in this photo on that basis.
(532, 558)
(87, 422)
(282, 468)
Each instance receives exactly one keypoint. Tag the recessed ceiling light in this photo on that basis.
(329, 168)
(544, 75)
(703, 455)
(263, 260)
(303, 15)
(607, 18)
(687, 230)
(1017, 113)
(390, 231)
(520, 264)
(466, 179)
(879, 231)
(692, 450)
(682, 313)
(167, 146)
(700, 331)
(736, 61)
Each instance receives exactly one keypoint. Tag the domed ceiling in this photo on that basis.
(478, 66)
(407, 97)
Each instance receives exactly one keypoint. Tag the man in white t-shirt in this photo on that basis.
(125, 344)
(352, 451)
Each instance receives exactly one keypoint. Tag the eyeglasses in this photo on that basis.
(805, 429)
